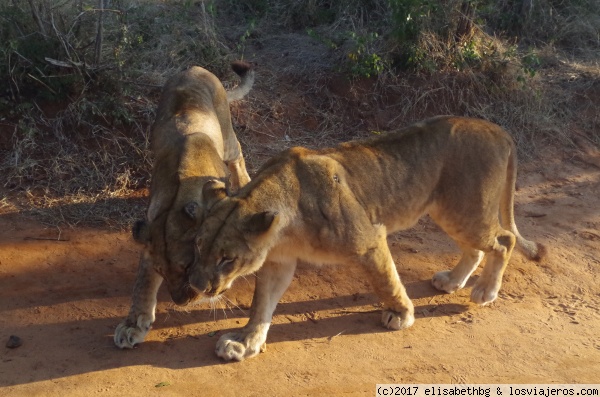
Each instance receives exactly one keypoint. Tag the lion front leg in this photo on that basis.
(246, 343)
(272, 280)
(238, 174)
(398, 310)
(134, 328)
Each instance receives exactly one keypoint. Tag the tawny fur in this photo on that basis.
(338, 205)
(193, 141)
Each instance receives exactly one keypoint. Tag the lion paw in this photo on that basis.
(128, 335)
(240, 345)
(483, 294)
(443, 282)
(396, 321)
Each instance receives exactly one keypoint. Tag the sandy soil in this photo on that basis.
(64, 291)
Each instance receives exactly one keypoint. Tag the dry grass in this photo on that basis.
(68, 170)
(85, 160)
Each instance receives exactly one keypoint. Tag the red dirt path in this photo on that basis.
(64, 298)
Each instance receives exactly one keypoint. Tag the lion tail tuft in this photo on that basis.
(532, 250)
(240, 67)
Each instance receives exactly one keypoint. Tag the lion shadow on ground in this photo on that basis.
(86, 346)
(116, 213)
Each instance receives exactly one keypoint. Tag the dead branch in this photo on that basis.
(98, 49)
(38, 19)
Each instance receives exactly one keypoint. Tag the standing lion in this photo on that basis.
(337, 206)
(192, 141)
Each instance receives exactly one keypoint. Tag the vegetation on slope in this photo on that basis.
(82, 78)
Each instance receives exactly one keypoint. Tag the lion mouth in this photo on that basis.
(213, 292)
(184, 295)
(209, 290)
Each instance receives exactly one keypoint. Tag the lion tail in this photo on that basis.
(246, 73)
(531, 249)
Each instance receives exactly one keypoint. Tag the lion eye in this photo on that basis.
(225, 265)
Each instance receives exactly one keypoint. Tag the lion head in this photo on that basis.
(233, 241)
(169, 244)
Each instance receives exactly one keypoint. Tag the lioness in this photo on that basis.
(338, 205)
(193, 141)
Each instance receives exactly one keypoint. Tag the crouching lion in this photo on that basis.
(193, 141)
(337, 205)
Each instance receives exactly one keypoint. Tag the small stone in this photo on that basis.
(14, 342)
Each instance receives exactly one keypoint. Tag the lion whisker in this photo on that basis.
(213, 309)
(227, 300)
(247, 281)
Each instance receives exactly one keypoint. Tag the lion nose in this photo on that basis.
(211, 291)
(200, 284)
(180, 298)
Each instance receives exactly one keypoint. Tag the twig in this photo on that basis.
(141, 84)
(98, 49)
(38, 20)
(22, 57)
(333, 336)
(69, 64)
(46, 239)
(344, 311)
(42, 83)
(64, 43)
(535, 215)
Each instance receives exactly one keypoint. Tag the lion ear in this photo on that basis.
(261, 222)
(141, 232)
(213, 191)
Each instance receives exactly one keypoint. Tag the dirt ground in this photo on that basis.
(64, 291)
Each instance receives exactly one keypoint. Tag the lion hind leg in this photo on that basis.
(487, 286)
(272, 280)
(478, 231)
(451, 280)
